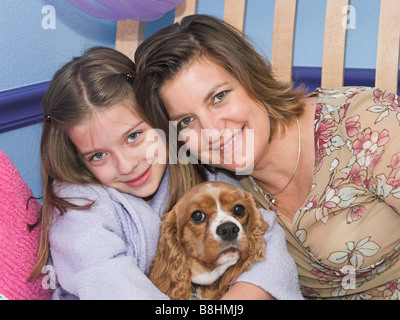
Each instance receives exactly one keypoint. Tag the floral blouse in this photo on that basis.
(346, 236)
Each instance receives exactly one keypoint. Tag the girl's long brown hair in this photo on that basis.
(101, 77)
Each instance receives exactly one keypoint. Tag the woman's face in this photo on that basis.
(221, 124)
(113, 146)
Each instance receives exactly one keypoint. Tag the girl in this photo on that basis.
(94, 162)
(103, 194)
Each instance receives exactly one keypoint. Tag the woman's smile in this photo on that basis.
(228, 146)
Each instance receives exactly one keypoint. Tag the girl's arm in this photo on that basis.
(91, 252)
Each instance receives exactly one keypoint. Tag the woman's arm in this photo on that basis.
(276, 276)
(246, 291)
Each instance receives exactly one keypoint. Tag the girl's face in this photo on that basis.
(113, 146)
(226, 128)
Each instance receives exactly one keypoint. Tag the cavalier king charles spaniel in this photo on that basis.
(213, 234)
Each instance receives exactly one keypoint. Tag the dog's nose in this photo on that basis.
(228, 231)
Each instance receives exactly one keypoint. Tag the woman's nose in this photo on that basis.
(212, 127)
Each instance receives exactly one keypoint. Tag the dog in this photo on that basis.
(213, 234)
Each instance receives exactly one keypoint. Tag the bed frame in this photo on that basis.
(130, 33)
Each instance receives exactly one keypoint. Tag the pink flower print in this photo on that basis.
(324, 132)
(394, 182)
(308, 292)
(311, 203)
(323, 138)
(369, 146)
(331, 202)
(318, 110)
(392, 286)
(355, 174)
(346, 107)
(332, 198)
(395, 163)
(352, 125)
(388, 99)
(317, 272)
(355, 213)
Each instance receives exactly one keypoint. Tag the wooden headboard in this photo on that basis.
(130, 33)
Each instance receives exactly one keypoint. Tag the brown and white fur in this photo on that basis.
(213, 234)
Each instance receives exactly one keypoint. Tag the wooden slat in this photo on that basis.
(334, 44)
(234, 13)
(387, 61)
(282, 39)
(130, 34)
(184, 9)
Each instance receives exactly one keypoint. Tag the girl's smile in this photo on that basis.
(140, 180)
(113, 145)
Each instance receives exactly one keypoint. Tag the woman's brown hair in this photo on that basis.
(101, 77)
(161, 56)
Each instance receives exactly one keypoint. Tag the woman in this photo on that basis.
(325, 162)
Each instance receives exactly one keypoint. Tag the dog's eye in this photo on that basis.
(198, 217)
(238, 210)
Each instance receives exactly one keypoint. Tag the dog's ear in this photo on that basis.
(256, 228)
(170, 270)
(257, 225)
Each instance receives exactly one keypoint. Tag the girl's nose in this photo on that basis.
(126, 164)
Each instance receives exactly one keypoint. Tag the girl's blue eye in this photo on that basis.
(97, 156)
(133, 136)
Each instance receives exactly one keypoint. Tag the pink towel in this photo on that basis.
(18, 245)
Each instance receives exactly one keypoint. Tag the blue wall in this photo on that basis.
(31, 54)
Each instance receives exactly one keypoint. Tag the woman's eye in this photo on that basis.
(134, 136)
(97, 156)
(219, 97)
(185, 122)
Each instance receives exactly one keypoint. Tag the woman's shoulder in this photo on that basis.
(372, 104)
(356, 96)
(337, 94)
(348, 102)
